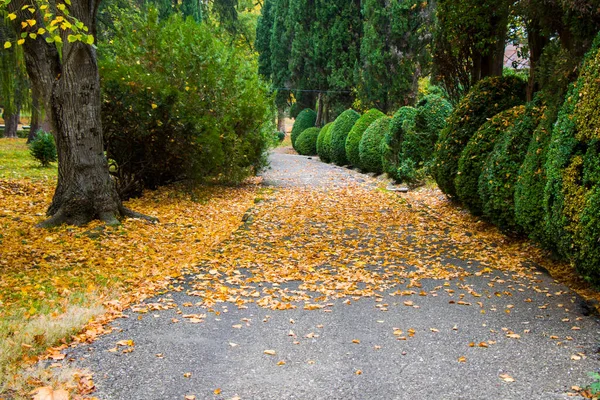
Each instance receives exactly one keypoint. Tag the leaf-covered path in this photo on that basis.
(335, 288)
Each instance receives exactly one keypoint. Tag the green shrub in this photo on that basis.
(572, 195)
(355, 134)
(391, 145)
(370, 145)
(487, 98)
(473, 157)
(280, 136)
(306, 144)
(339, 131)
(306, 119)
(324, 143)
(419, 141)
(168, 116)
(501, 169)
(43, 148)
(531, 182)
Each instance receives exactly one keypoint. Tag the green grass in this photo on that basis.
(17, 163)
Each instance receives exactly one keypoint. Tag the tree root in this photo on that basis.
(127, 213)
(56, 220)
(109, 218)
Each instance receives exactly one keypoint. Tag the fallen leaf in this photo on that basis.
(217, 391)
(507, 378)
(47, 393)
(462, 359)
(270, 352)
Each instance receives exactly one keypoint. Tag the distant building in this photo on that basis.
(513, 60)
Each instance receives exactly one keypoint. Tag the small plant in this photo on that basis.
(595, 386)
(280, 136)
(43, 149)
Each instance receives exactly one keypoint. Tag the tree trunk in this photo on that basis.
(35, 125)
(280, 119)
(11, 122)
(319, 120)
(536, 42)
(70, 90)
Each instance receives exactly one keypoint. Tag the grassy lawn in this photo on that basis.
(71, 280)
(17, 163)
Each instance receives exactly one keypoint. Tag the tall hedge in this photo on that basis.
(370, 145)
(306, 119)
(306, 144)
(473, 157)
(417, 151)
(391, 145)
(487, 98)
(572, 195)
(324, 143)
(339, 132)
(500, 172)
(356, 133)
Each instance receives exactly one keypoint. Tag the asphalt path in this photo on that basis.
(530, 340)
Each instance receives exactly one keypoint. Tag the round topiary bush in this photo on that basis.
(487, 98)
(306, 119)
(473, 157)
(280, 136)
(324, 143)
(306, 144)
(339, 131)
(497, 181)
(572, 194)
(391, 145)
(370, 145)
(356, 133)
(43, 148)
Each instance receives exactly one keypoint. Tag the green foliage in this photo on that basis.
(572, 195)
(595, 386)
(391, 145)
(305, 119)
(356, 133)
(370, 145)
(473, 157)
(168, 116)
(419, 141)
(280, 136)
(489, 97)
(500, 172)
(43, 148)
(393, 48)
(306, 144)
(324, 143)
(529, 189)
(264, 27)
(339, 132)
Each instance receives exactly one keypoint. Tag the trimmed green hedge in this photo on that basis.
(572, 195)
(306, 119)
(417, 150)
(356, 133)
(370, 145)
(339, 131)
(324, 143)
(391, 145)
(501, 169)
(487, 98)
(306, 144)
(473, 157)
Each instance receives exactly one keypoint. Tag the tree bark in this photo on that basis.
(319, 120)
(536, 42)
(11, 122)
(280, 119)
(70, 90)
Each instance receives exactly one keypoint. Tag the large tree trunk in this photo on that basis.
(536, 42)
(280, 119)
(11, 122)
(319, 120)
(70, 90)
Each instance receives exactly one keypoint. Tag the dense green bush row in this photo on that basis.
(391, 145)
(306, 119)
(489, 97)
(370, 145)
(324, 143)
(339, 132)
(533, 169)
(306, 144)
(356, 134)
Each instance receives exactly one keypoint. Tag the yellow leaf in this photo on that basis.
(31, 22)
(12, 16)
(462, 359)
(125, 343)
(7, 45)
(507, 378)
(211, 271)
(270, 352)
(217, 391)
